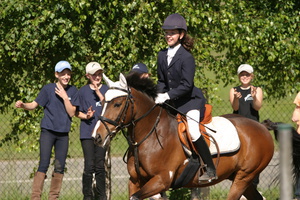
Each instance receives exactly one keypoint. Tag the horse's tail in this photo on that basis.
(271, 126)
(296, 152)
(295, 144)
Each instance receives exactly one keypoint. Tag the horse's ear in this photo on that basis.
(123, 82)
(107, 81)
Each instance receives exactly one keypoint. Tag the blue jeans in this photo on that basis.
(60, 142)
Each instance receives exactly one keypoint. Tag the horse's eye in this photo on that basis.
(117, 105)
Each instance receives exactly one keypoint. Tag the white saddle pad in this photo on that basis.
(226, 136)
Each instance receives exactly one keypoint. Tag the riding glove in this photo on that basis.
(161, 98)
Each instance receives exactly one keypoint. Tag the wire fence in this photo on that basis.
(16, 169)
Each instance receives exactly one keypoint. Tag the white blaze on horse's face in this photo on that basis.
(113, 92)
(94, 133)
(95, 129)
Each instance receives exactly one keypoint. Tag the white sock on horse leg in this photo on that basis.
(157, 196)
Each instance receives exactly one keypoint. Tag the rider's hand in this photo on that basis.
(161, 98)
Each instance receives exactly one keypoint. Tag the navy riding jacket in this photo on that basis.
(177, 79)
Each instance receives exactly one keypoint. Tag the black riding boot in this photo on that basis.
(100, 193)
(87, 181)
(204, 153)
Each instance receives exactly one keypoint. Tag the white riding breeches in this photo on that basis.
(193, 118)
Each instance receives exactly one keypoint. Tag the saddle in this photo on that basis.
(183, 132)
(220, 135)
(186, 141)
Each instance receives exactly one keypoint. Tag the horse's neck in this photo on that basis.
(156, 120)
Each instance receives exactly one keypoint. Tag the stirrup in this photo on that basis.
(207, 178)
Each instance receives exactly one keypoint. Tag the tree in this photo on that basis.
(35, 35)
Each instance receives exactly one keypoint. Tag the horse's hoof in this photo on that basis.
(133, 198)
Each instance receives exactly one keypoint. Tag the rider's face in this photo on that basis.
(172, 36)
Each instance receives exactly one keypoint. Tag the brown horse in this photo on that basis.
(156, 158)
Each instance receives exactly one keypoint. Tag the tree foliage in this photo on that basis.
(35, 35)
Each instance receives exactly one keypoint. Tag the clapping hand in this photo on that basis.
(237, 94)
(253, 91)
(90, 113)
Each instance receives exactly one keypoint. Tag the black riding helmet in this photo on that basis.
(174, 21)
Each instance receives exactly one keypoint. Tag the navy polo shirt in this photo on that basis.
(87, 98)
(55, 117)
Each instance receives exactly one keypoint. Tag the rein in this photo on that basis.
(135, 145)
(186, 116)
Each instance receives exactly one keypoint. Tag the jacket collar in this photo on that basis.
(176, 56)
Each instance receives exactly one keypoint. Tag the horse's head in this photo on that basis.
(115, 114)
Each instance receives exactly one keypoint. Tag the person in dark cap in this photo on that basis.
(141, 69)
(176, 70)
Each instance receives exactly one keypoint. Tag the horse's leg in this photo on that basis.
(132, 186)
(154, 186)
(239, 185)
(251, 193)
(236, 190)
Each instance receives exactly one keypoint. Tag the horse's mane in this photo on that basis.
(145, 85)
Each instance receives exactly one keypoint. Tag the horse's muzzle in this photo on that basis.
(97, 139)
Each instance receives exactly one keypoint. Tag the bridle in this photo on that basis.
(120, 125)
(119, 122)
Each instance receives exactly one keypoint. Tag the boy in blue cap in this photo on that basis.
(57, 100)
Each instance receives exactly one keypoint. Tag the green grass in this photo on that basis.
(271, 193)
(183, 194)
(221, 194)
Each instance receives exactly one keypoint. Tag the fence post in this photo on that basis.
(285, 142)
(108, 173)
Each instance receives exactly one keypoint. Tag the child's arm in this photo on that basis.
(60, 91)
(26, 106)
(88, 115)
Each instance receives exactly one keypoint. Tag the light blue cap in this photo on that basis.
(61, 65)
